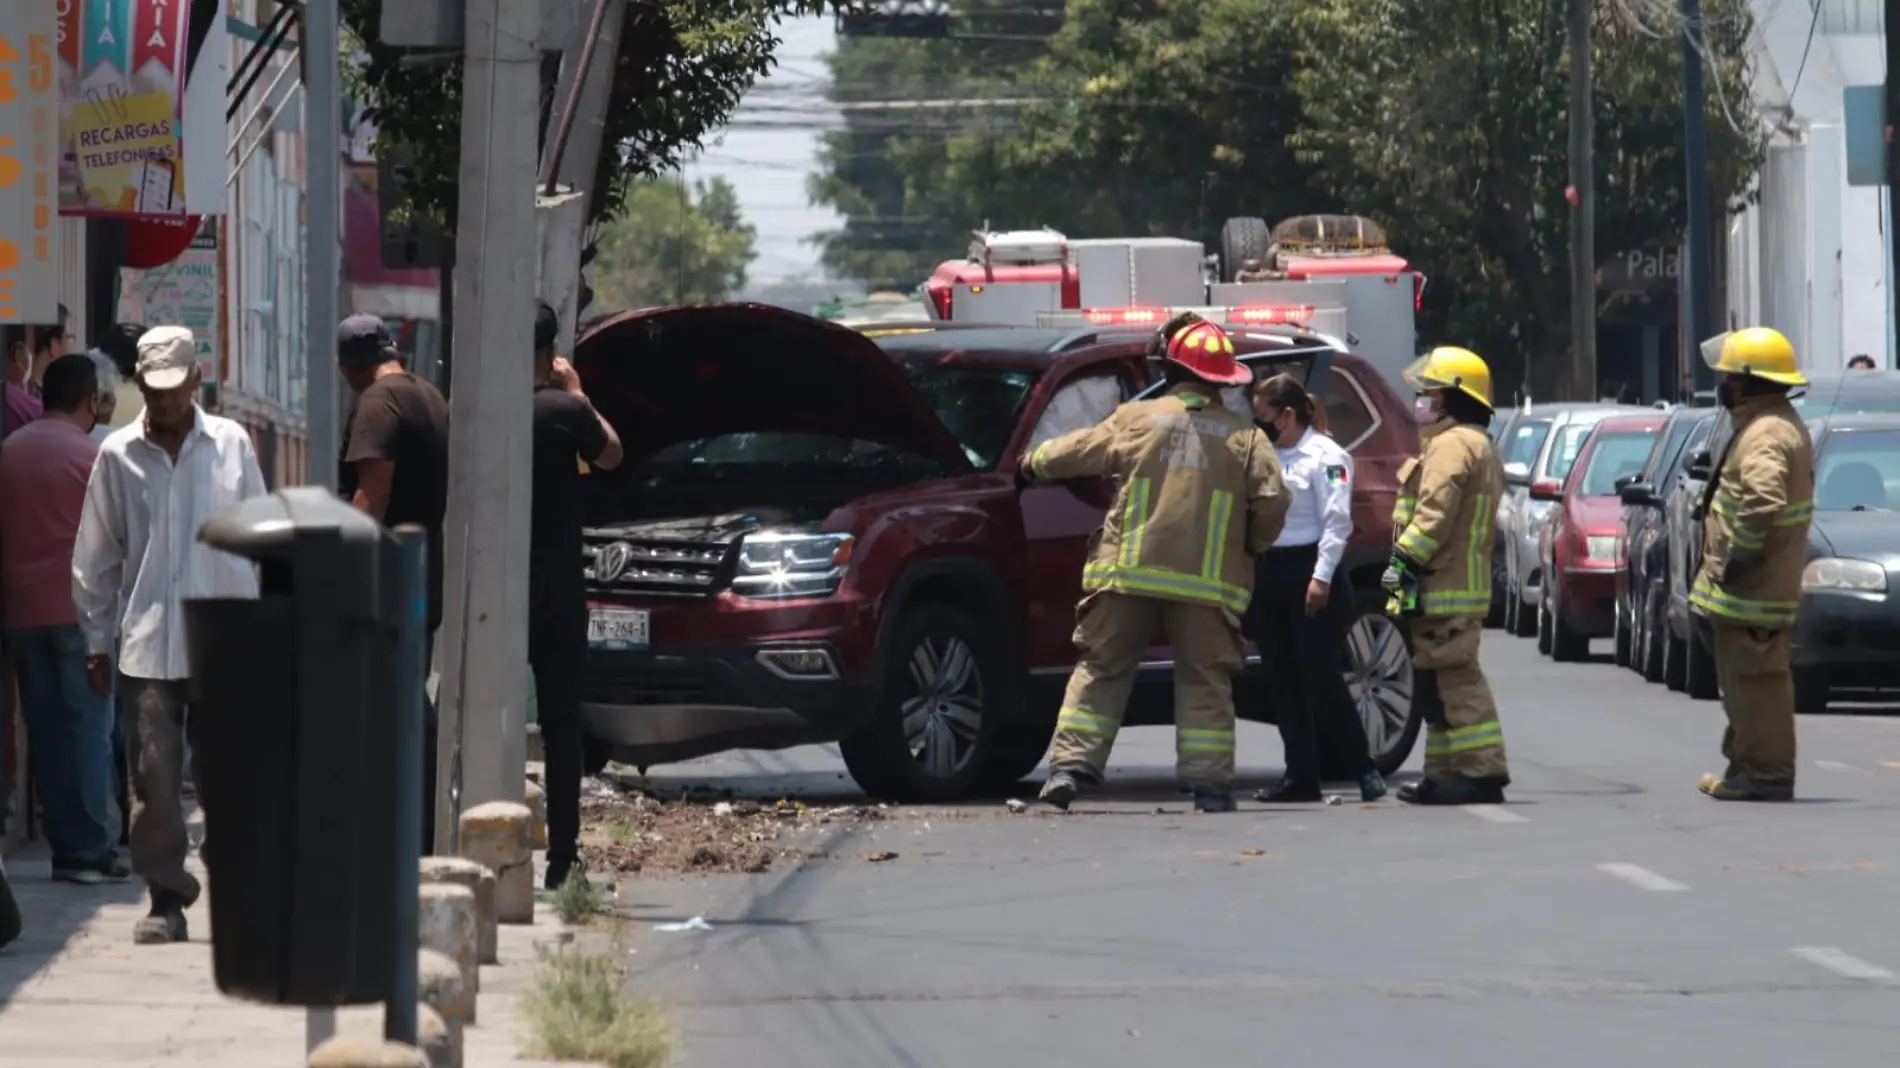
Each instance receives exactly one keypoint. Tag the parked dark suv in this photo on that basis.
(817, 536)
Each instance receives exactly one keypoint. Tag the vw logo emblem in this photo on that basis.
(611, 560)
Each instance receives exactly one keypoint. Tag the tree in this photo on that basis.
(672, 245)
(683, 66)
(1465, 157)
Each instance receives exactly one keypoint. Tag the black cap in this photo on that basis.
(362, 338)
(547, 326)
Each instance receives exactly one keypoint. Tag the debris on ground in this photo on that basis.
(637, 833)
(1015, 806)
(1335, 799)
(880, 856)
(697, 923)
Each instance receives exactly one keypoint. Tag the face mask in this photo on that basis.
(1728, 394)
(1271, 428)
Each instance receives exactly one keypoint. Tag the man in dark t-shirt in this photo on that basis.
(395, 468)
(569, 436)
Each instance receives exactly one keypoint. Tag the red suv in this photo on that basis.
(817, 537)
(1581, 544)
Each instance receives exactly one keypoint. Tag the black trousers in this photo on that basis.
(1303, 655)
(429, 732)
(557, 654)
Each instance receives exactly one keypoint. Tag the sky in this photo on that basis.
(772, 145)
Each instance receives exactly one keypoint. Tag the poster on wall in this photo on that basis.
(183, 293)
(137, 140)
(29, 172)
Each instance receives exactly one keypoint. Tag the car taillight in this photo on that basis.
(1270, 314)
(940, 300)
(1125, 316)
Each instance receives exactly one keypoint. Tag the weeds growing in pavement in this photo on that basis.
(580, 899)
(579, 1013)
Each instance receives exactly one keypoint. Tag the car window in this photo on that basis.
(1613, 456)
(1349, 418)
(1080, 402)
(1858, 470)
(1563, 451)
(1666, 447)
(1527, 436)
(980, 405)
(1698, 441)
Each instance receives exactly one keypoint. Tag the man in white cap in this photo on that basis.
(138, 558)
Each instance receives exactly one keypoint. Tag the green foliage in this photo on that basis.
(579, 1012)
(671, 245)
(683, 65)
(579, 899)
(1446, 120)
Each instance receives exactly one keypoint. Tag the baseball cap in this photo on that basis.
(167, 355)
(547, 326)
(362, 337)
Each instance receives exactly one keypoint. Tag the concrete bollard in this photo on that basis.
(352, 1053)
(536, 799)
(439, 985)
(440, 1041)
(445, 922)
(499, 835)
(460, 871)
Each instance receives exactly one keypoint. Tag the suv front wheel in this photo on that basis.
(943, 683)
(1378, 667)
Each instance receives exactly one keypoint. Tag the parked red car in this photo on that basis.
(1581, 545)
(817, 537)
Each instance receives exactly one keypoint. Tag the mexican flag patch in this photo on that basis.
(1336, 474)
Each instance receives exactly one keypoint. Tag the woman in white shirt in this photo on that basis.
(1297, 618)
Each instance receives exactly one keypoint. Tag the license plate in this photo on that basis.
(617, 628)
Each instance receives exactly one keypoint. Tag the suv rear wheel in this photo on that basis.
(943, 686)
(1378, 667)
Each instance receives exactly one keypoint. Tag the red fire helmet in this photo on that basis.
(1206, 352)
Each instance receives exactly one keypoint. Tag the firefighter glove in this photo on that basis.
(1739, 562)
(1400, 581)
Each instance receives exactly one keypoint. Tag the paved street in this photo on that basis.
(1609, 915)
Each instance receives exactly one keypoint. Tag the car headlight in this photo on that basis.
(1600, 547)
(1848, 576)
(784, 566)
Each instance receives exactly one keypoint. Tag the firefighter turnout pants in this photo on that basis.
(1752, 667)
(1463, 738)
(1113, 631)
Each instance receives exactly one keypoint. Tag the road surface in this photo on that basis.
(1609, 915)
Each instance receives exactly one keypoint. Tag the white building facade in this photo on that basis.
(1810, 256)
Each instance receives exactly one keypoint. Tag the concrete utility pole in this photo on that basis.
(573, 158)
(318, 50)
(485, 636)
(1697, 268)
(1583, 255)
(1890, 15)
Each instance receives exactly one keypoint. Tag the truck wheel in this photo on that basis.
(1545, 635)
(1378, 668)
(1242, 239)
(944, 682)
(1622, 642)
(1650, 649)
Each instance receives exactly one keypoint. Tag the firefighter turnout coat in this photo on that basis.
(1201, 495)
(1448, 500)
(1761, 505)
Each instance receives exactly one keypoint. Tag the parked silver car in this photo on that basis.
(1539, 445)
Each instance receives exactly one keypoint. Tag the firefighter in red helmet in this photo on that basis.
(1200, 496)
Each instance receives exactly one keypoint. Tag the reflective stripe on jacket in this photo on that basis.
(1763, 503)
(1448, 501)
(1200, 497)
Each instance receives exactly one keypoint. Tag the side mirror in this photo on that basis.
(1701, 466)
(1639, 493)
(1517, 471)
(1548, 490)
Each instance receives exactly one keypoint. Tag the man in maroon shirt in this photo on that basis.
(68, 725)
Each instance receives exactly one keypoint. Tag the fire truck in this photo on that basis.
(1331, 275)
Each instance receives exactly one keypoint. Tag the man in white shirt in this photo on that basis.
(137, 560)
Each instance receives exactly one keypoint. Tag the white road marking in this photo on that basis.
(1835, 765)
(1640, 877)
(1496, 814)
(1842, 964)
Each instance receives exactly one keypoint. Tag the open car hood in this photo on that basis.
(666, 375)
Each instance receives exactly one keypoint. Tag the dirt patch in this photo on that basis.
(635, 833)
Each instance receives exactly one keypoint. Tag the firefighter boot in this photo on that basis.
(1455, 791)
(1371, 787)
(1060, 789)
(1743, 790)
(1214, 799)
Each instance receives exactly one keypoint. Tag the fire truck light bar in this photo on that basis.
(1125, 316)
(1270, 314)
(1245, 315)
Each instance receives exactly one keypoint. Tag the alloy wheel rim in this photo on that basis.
(943, 716)
(1379, 676)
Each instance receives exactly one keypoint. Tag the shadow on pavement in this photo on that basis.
(52, 913)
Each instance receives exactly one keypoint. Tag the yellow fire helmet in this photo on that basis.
(1761, 351)
(1450, 367)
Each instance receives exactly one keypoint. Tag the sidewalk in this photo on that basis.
(75, 992)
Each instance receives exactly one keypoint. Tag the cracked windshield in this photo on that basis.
(919, 533)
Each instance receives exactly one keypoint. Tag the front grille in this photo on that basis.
(651, 566)
(616, 680)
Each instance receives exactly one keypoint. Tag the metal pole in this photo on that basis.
(1890, 12)
(323, 131)
(581, 71)
(490, 441)
(1697, 271)
(412, 568)
(1583, 258)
